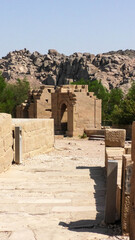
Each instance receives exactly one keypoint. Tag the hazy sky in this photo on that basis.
(69, 26)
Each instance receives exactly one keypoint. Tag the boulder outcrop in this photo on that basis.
(114, 69)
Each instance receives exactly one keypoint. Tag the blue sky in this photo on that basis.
(68, 26)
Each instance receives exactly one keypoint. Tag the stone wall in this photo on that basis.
(87, 113)
(38, 104)
(6, 142)
(132, 195)
(37, 135)
(74, 110)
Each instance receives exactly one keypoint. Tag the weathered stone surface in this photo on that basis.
(114, 69)
(128, 150)
(114, 149)
(111, 190)
(132, 195)
(6, 142)
(37, 135)
(100, 132)
(115, 137)
(127, 167)
(51, 197)
(112, 153)
(74, 110)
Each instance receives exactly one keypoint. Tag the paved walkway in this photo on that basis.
(56, 196)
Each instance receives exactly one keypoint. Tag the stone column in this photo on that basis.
(110, 208)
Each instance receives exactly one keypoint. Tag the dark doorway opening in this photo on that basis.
(64, 118)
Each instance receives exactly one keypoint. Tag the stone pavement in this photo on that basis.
(56, 196)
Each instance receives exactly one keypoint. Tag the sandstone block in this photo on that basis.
(133, 142)
(115, 153)
(126, 184)
(132, 194)
(115, 137)
(128, 150)
(6, 141)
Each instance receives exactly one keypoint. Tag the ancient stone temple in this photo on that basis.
(73, 108)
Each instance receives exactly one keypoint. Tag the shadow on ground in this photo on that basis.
(97, 225)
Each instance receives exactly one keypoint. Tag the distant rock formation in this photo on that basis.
(114, 69)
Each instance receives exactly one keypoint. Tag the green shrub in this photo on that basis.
(12, 95)
(83, 136)
(116, 107)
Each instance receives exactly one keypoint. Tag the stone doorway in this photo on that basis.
(64, 118)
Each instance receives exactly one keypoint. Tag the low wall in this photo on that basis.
(6, 142)
(37, 135)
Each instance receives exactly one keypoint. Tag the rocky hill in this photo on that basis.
(114, 69)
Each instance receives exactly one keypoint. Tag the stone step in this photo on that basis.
(97, 137)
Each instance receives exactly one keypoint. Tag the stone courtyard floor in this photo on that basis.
(57, 196)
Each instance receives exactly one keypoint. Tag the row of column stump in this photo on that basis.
(120, 170)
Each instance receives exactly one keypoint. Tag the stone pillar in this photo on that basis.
(110, 208)
(95, 117)
(114, 149)
(126, 185)
(18, 145)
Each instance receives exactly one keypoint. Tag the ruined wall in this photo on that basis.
(98, 112)
(87, 113)
(82, 109)
(38, 104)
(37, 138)
(37, 135)
(42, 102)
(6, 142)
(73, 108)
(132, 195)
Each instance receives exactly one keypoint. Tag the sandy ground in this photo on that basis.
(58, 195)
